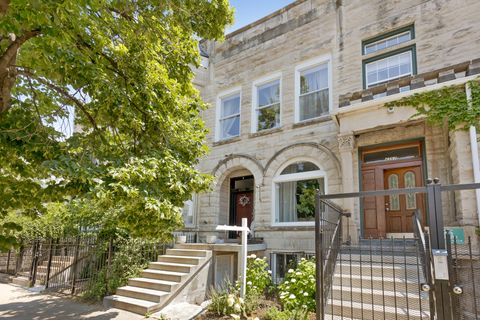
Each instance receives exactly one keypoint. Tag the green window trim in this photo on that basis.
(382, 36)
(411, 48)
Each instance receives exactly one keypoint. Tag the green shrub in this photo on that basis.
(298, 290)
(275, 314)
(259, 278)
(128, 261)
(229, 303)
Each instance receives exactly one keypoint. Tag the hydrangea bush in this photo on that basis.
(298, 290)
(259, 277)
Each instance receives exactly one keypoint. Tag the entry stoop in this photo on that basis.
(168, 279)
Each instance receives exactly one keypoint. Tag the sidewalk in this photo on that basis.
(21, 304)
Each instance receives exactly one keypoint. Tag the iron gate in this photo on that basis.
(432, 276)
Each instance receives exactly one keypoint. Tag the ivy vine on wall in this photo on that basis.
(449, 103)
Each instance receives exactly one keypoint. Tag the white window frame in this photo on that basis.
(310, 64)
(369, 85)
(223, 95)
(278, 178)
(258, 83)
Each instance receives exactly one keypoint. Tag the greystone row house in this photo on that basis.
(296, 103)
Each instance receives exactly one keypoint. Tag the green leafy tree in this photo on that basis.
(123, 68)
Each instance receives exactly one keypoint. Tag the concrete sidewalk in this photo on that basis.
(21, 304)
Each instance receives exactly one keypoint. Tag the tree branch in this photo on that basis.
(12, 49)
(67, 95)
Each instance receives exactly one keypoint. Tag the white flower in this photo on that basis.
(290, 270)
(269, 271)
(241, 300)
(249, 283)
(237, 307)
(230, 300)
(306, 294)
(253, 256)
(294, 280)
(292, 296)
(234, 316)
(298, 273)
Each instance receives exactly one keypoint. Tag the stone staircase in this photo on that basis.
(162, 282)
(378, 282)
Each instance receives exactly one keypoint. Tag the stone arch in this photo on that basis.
(234, 162)
(325, 156)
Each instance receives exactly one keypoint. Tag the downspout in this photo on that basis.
(474, 149)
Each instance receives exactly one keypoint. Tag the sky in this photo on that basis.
(248, 11)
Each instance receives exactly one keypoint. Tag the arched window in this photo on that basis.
(294, 193)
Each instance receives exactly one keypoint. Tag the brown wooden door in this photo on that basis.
(243, 207)
(399, 209)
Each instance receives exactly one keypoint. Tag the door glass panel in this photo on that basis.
(409, 178)
(394, 198)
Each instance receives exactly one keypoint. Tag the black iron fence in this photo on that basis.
(431, 275)
(69, 265)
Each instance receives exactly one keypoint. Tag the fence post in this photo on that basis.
(74, 266)
(49, 265)
(319, 261)
(33, 269)
(443, 304)
(8, 260)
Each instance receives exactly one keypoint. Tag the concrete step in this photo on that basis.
(131, 304)
(377, 258)
(371, 312)
(21, 281)
(156, 296)
(154, 284)
(180, 259)
(168, 266)
(387, 283)
(413, 299)
(187, 252)
(164, 275)
(379, 269)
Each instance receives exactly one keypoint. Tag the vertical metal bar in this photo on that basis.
(383, 280)
(49, 264)
(470, 256)
(319, 262)
(417, 254)
(394, 278)
(351, 283)
(371, 279)
(361, 281)
(33, 271)
(8, 260)
(406, 276)
(74, 265)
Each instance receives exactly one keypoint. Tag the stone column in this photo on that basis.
(346, 144)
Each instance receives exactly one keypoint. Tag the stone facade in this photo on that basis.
(333, 30)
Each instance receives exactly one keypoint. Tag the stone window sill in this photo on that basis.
(310, 122)
(265, 132)
(226, 141)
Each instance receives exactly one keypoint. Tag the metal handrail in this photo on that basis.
(327, 247)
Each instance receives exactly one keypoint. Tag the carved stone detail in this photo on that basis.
(346, 142)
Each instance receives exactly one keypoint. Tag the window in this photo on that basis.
(388, 42)
(266, 101)
(188, 213)
(393, 60)
(294, 193)
(282, 262)
(312, 89)
(228, 116)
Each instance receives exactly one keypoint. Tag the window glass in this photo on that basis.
(409, 178)
(268, 105)
(284, 262)
(187, 213)
(387, 42)
(394, 198)
(389, 68)
(230, 117)
(314, 91)
(390, 155)
(295, 197)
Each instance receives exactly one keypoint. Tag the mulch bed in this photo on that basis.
(263, 306)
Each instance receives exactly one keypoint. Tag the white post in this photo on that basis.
(474, 151)
(243, 272)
